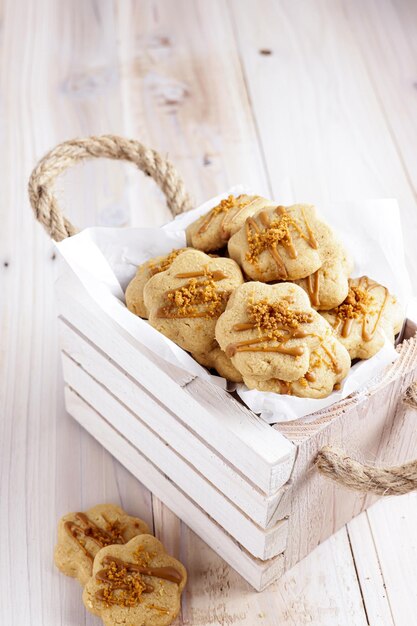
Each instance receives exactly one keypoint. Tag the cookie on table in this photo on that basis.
(270, 331)
(81, 535)
(213, 230)
(217, 359)
(328, 286)
(185, 301)
(134, 290)
(367, 316)
(137, 584)
(278, 243)
(329, 365)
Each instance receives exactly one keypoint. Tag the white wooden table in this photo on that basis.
(322, 92)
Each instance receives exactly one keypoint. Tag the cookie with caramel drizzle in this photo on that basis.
(213, 230)
(270, 331)
(185, 301)
(81, 535)
(329, 365)
(366, 318)
(278, 243)
(328, 286)
(144, 272)
(135, 583)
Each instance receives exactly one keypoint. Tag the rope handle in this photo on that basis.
(336, 464)
(68, 153)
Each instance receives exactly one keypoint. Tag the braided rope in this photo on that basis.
(41, 194)
(382, 481)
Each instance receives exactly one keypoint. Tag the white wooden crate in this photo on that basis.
(252, 491)
(248, 489)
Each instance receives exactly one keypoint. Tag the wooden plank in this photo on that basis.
(258, 573)
(392, 525)
(261, 508)
(369, 572)
(322, 590)
(184, 93)
(244, 439)
(263, 544)
(386, 33)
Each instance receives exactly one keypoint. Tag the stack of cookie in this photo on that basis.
(127, 576)
(276, 308)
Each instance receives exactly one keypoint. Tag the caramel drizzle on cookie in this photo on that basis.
(277, 325)
(274, 233)
(83, 529)
(287, 388)
(124, 583)
(199, 297)
(333, 360)
(313, 287)
(356, 309)
(225, 206)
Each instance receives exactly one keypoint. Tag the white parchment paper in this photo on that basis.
(105, 260)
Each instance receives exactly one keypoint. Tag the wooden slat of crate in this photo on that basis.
(249, 444)
(263, 544)
(264, 510)
(257, 572)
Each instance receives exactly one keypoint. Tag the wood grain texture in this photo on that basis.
(331, 107)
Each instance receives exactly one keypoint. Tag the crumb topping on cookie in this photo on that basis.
(225, 206)
(124, 583)
(360, 306)
(356, 304)
(156, 268)
(276, 324)
(272, 316)
(121, 588)
(199, 297)
(270, 234)
(276, 232)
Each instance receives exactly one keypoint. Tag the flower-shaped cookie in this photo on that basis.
(328, 286)
(329, 365)
(81, 535)
(367, 316)
(137, 584)
(218, 360)
(213, 230)
(270, 332)
(278, 244)
(134, 290)
(185, 301)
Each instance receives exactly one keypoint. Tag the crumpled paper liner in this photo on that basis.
(105, 260)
